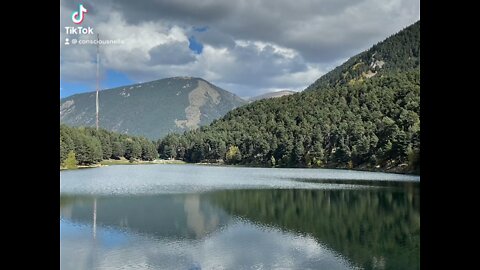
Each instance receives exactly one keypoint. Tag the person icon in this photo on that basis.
(67, 41)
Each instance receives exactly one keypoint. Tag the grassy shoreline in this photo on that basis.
(138, 162)
(123, 161)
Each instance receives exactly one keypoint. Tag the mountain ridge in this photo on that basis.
(399, 52)
(275, 94)
(152, 109)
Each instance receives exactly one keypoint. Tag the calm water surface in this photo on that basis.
(205, 217)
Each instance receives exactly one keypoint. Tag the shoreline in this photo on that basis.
(393, 170)
(113, 162)
(105, 163)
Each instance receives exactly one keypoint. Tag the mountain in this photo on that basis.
(272, 95)
(346, 119)
(152, 109)
(399, 52)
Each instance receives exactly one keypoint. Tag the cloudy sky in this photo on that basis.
(248, 47)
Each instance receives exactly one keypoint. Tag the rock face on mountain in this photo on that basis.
(151, 109)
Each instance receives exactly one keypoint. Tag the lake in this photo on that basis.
(212, 217)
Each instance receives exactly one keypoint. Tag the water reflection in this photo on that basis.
(239, 229)
(163, 216)
(94, 218)
(374, 228)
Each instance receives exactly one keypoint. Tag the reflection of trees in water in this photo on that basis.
(165, 216)
(375, 229)
(67, 204)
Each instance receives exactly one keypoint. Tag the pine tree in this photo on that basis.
(70, 162)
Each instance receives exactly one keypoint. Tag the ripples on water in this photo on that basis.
(201, 217)
(156, 179)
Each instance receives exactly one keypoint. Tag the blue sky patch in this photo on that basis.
(194, 45)
(111, 80)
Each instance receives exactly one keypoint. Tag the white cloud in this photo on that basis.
(249, 46)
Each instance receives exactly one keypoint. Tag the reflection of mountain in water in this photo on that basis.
(376, 229)
(165, 216)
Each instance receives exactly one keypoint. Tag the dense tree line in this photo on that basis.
(88, 146)
(371, 123)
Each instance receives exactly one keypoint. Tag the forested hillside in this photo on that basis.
(369, 122)
(398, 53)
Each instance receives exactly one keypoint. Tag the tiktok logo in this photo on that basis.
(78, 16)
